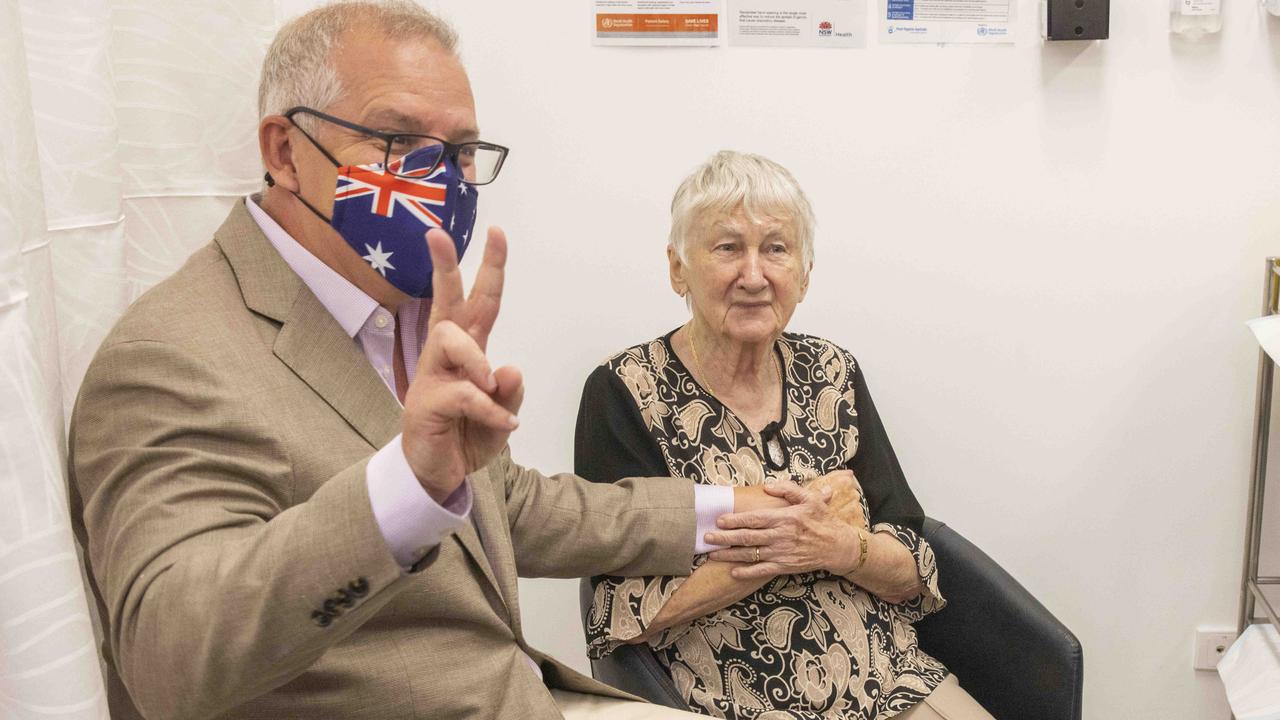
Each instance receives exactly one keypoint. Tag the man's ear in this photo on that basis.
(676, 268)
(277, 152)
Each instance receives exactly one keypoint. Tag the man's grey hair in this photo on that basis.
(299, 67)
(729, 180)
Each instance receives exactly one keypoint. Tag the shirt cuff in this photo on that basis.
(709, 503)
(412, 523)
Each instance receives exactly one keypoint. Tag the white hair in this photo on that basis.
(731, 180)
(299, 69)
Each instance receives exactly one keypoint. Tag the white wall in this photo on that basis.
(1041, 254)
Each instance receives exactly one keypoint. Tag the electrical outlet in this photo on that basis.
(1211, 645)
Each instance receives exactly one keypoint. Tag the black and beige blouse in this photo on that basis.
(803, 646)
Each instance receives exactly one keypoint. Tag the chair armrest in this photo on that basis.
(631, 668)
(1010, 653)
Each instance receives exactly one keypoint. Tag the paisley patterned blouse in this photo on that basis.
(803, 646)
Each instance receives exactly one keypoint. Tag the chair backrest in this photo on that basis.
(1009, 652)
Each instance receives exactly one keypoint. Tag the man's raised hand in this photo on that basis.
(477, 313)
(458, 412)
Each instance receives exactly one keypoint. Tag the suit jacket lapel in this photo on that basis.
(321, 354)
(319, 351)
(310, 341)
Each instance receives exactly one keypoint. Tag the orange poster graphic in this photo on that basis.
(650, 23)
(657, 22)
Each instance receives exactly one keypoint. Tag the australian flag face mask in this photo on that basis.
(384, 214)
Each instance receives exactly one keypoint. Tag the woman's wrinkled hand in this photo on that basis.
(806, 536)
(846, 496)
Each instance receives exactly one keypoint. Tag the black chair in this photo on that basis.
(1010, 653)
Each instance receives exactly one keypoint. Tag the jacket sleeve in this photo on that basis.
(565, 526)
(219, 585)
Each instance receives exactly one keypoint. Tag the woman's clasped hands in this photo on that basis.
(819, 528)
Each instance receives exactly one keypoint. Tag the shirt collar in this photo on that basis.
(348, 304)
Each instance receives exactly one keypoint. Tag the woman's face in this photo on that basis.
(743, 278)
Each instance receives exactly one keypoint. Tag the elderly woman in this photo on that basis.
(817, 625)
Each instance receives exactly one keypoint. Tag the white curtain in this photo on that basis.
(126, 132)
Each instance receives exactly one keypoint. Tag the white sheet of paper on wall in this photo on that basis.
(798, 23)
(1250, 671)
(947, 21)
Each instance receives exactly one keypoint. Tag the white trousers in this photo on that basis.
(577, 706)
(948, 701)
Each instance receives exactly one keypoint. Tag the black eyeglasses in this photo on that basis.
(478, 161)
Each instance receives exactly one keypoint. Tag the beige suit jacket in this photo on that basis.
(218, 453)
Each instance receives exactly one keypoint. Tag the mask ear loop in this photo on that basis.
(271, 182)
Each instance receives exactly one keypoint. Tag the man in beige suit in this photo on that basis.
(289, 474)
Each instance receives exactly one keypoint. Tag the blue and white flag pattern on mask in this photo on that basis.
(384, 217)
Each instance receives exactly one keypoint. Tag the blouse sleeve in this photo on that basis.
(894, 508)
(611, 443)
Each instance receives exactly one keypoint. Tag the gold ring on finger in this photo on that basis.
(757, 549)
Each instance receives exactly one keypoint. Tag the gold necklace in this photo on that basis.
(698, 364)
(706, 381)
(774, 452)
